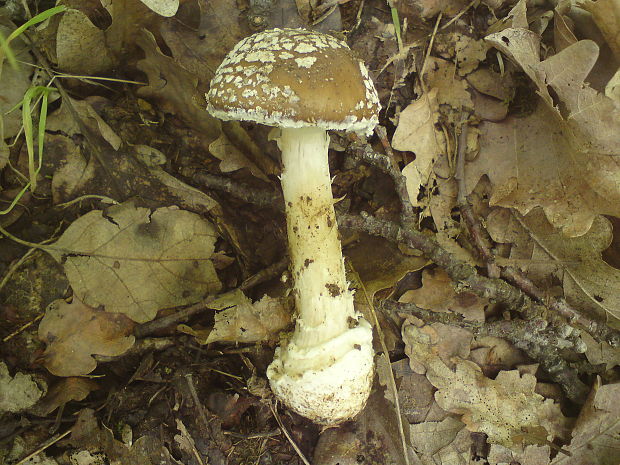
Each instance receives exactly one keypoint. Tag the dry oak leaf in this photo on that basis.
(596, 435)
(81, 46)
(416, 132)
(446, 441)
(606, 15)
(74, 332)
(506, 409)
(570, 166)
(174, 88)
(530, 162)
(19, 392)
(165, 8)
(437, 294)
(242, 321)
(64, 391)
(589, 282)
(137, 261)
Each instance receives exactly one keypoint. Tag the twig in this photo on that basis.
(482, 242)
(288, 436)
(493, 289)
(260, 197)
(45, 445)
(408, 217)
(429, 316)
(478, 235)
(152, 327)
(541, 344)
(197, 404)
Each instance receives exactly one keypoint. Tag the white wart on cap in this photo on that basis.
(294, 78)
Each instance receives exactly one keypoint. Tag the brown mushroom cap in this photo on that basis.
(294, 78)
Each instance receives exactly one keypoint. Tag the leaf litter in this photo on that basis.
(540, 168)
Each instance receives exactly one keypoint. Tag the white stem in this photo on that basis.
(325, 370)
(323, 301)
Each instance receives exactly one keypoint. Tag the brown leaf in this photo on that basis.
(15, 83)
(416, 132)
(74, 332)
(250, 322)
(64, 391)
(506, 408)
(596, 436)
(137, 261)
(446, 441)
(437, 294)
(81, 46)
(606, 15)
(532, 162)
(174, 88)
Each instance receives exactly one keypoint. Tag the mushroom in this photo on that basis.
(306, 83)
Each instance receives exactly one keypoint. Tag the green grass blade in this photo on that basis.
(36, 20)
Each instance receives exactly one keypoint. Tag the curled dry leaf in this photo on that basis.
(137, 261)
(606, 15)
(243, 321)
(506, 409)
(74, 332)
(64, 391)
(174, 88)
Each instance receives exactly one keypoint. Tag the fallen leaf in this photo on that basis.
(64, 120)
(600, 352)
(64, 391)
(163, 7)
(596, 436)
(233, 159)
(242, 321)
(493, 354)
(15, 83)
(531, 162)
(530, 455)
(416, 132)
(469, 53)
(19, 392)
(446, 441)
(379, 264)
(87, 435)
(442, 76)
(506, 408)
(589, 118)
(137, 261)
(437, 294)
(74, 332)
(81, 46)
(174, 88)
(606, 15)
(563, 35)
(73, 173)
(590, 283)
